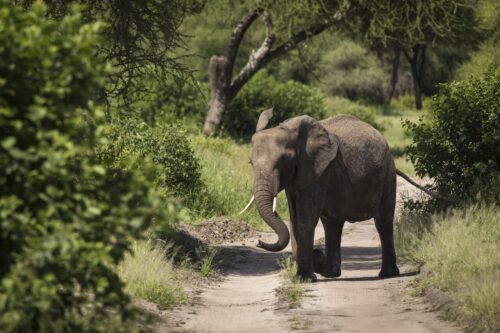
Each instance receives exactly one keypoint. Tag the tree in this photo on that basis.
(140, 35)
(284, 30)
(410, 27)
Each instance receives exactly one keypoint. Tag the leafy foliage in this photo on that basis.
(350, 71)
(417, 22)
(289, 99)
(458, 144)
(164, 100)
(139, 34)
(66, 218)
(340, 105)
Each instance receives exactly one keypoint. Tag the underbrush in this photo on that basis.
(460, 251)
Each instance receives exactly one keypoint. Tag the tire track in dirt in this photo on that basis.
(245, 301)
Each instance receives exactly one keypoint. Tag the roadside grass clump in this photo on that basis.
(206, 257)
(149, 274)
(460, 251)
(291, 289)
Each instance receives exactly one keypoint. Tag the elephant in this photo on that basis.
(334, 170)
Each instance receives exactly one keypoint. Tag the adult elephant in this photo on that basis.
(338, 169)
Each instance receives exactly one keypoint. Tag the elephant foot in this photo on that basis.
(389, 271)
(307, 277)
(331, 272)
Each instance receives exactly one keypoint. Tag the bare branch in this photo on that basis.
(236, 38)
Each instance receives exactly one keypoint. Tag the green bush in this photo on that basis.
(488, 55)
(65, 219)
(288, 99)
(407, 102)
(350, 71)
(457, 144)
(175, 168)
(341, 105)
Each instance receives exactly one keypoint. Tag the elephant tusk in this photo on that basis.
(275, 201)
(248, 205)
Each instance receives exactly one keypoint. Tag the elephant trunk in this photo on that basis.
(264, 194)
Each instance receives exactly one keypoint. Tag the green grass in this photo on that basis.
(461, 251)
(206, 257)
(149, 275)
(291, 289)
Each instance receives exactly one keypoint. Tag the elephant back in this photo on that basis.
(364, 149)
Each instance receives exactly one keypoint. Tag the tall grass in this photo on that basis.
(148, 274)
(461, 251)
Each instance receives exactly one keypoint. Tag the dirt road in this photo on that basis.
(246, 301)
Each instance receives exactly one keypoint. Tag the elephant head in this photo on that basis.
(291, 155)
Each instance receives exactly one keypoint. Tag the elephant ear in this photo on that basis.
(264, 118)
(316, 150)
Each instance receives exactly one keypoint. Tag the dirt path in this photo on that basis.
(245, 301)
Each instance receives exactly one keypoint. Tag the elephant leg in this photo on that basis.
(385, 228)
(333, 234)
(293, 221)
(304, 234)
(306, 213)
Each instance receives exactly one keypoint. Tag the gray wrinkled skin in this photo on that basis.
(338, 169)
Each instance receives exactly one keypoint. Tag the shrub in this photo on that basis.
(488, 55)
(175, 168)
(289, 99)
(457, 144)
(407, 102)
(65, 219)
(341, 105)
(350, 71)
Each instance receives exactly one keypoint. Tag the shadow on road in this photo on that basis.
(246, 260)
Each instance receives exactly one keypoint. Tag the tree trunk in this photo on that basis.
(417, 62)
(223, 87)
(394, 75)
(218, 99)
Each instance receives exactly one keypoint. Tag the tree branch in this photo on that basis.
(265, 55)
(236, 38)
(256, 57)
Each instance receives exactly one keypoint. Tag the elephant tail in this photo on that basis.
(435, 195)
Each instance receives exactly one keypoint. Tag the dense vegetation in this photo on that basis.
(66, 217)
(457, 142)
(102, 148)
